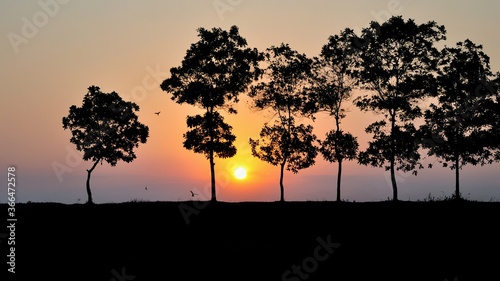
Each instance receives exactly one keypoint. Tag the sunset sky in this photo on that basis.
(52, 51)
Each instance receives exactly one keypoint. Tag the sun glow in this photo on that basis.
(240, 173)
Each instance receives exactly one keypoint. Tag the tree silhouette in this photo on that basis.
(460, 120)
(333, 86)
(291, 146)
(198, 138)
(215, 70)
(494, 116)
(285, 92)
(337, 147)
(398, 59)
(105, 128)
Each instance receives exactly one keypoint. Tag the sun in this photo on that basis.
(240, 173)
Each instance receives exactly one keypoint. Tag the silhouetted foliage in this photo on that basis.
(105, 128)
(494, 116)
(398, 59)
(333, 83)
(337, 147)
(215, 70)
(460, 120)
(284, 91)
(492, 113)
(198, 138)
(291, 146)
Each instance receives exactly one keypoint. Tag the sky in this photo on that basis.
(51, 51)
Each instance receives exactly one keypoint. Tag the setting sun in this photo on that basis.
(240, 173)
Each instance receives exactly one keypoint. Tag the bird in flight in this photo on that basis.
(192, 193)
(158, 113)
(146, 188)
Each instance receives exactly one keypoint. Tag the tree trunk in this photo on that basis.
(339, 158)
(282, 188)
(211, 153)
(339, 176)
(212, 173)
(89, 193)
(457, 178)
(392, 160)
(286, 154)
(393, 181)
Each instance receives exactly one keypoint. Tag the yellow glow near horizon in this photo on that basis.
(240, 173)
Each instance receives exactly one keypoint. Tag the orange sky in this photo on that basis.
(129, 46)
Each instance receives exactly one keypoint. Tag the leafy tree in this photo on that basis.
(494, 115)
(460, 120)
(215, 70)
(337, 147)
(284, 91)
(333, 83)
(198, 138)
(398, 60)
(105, 128)
(291, 146)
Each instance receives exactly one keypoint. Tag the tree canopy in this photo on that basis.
(398, 60)
(459, 121)
(198, 138)
(285, 92)
(395, 65)
(333, 83)
(214, 71)
(105, 128)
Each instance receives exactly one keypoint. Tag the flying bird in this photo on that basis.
(192, 193)
(158, 113)
(146, 188)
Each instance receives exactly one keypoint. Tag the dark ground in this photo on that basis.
(257, 241)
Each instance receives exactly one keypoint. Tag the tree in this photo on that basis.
(398, 60)
(461, 120)
(105, 128)
(198, 138)
(215, 70)
(494, 115)
(284, 91)
(333, 85)
(291, 146)
(337, 147)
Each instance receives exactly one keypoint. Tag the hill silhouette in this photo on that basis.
(258, 241)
